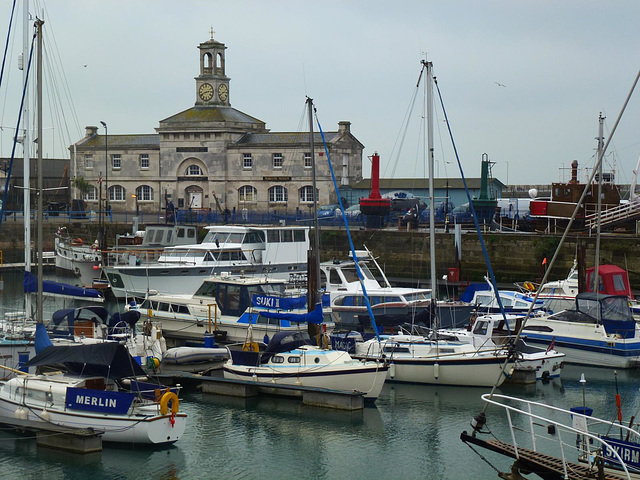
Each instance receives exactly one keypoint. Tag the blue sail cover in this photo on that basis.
(42, 339)
(30, 284)
(314, 316)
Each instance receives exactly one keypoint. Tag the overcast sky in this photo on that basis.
(523, 81)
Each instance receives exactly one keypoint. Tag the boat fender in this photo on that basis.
(21, 413)
(529, 286)
(250, 347)
(44, 415)
(164, 403)
(436, 370)
(392, 370)
(153, 362)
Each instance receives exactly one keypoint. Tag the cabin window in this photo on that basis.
(181, 309)
(158, 238)
(163, 307)
(273, 236)
(169, 235)
(298, 236)
(618, 283)
(334, 277)
(207, 289)
(295, 360)
(191, 233)
(286, 236)
(277, 359)
(480, 328)
(254, 237)
(181, 233)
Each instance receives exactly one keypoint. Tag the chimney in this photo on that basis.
(344, 127)
(574, 172)
(90, 131)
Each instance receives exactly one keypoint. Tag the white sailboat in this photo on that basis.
(429, 359)
(290, 359)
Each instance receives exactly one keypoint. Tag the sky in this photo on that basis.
(523, 82)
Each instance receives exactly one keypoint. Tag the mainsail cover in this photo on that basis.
(30, 284)
(316, 316)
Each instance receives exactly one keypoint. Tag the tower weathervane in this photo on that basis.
(212, 32)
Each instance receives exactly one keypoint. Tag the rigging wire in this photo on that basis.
(6, 45)
(15, 140)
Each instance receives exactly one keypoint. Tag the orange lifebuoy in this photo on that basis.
(164, 403)
(78, 241)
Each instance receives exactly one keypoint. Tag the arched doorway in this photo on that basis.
(194, 197)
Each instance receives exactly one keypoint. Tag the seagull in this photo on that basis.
(499, 84)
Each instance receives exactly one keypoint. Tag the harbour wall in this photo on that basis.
(405, 254)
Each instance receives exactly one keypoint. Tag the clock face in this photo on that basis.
(223, 91)
(205, 91)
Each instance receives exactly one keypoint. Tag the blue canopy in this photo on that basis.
(30, 284)
(42, 339)
(314, 316)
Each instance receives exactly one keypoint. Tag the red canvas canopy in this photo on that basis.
(613, 280)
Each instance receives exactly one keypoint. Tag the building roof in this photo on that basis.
(422, 183)
(212, 114)
(148, 141)
(285, 138)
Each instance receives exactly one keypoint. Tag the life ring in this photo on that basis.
(529, 286)
(164, 403)
(250, 347)
(77, 241)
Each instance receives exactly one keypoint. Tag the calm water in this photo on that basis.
(412, 432)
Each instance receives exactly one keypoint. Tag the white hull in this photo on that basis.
(78, 259)
(150, 429)
(466, 372)
(355, 377)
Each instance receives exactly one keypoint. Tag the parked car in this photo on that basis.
(328, 211)
(54, 208)
(352, 213)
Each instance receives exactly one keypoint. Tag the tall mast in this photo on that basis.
(316, 224)
(432, 225)
(26, 150)
(596, 280)
(39, 316)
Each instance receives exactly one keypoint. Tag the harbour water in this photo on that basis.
(412, 432)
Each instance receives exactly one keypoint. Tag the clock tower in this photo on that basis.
(212, 85)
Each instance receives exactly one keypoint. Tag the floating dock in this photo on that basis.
(315, 396)
(76, 440)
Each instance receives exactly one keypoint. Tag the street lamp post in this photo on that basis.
(106, 167)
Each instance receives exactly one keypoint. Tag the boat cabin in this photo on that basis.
(612, 280)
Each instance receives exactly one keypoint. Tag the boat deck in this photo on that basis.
(544, 465)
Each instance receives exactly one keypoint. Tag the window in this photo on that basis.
(116, 193)
(194, 171)
(278, 194)
(247, 193)
(88, 162)
(306, 194)
(247, 160)
(92, 194)
(277, 160)
(144, 161)
(116, 161)
(144, 193)
(307, 160)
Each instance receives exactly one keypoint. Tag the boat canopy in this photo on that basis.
(612, 280)
(30, 284)
(315, 316)
(106, 359)
(287, 341)
(612, 310)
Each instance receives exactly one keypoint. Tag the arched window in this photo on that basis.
(116, 193)
(91, 194)
(247, 193)
(306, 194)
(194, 171)
(277, 194)
(144, 193)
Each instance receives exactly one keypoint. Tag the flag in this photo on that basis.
(551, 345)
(544, 262)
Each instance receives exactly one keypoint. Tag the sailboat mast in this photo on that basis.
(432, 225)
(316, 224)
(26, 152)
(596, 281)
(39, 316)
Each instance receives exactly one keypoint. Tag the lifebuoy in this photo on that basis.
(250, 347)
(78, 241)
(164, 403)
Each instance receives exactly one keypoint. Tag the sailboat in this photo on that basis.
(291, 359)
(429, 359)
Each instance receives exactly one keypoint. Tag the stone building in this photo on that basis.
(213, 156)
